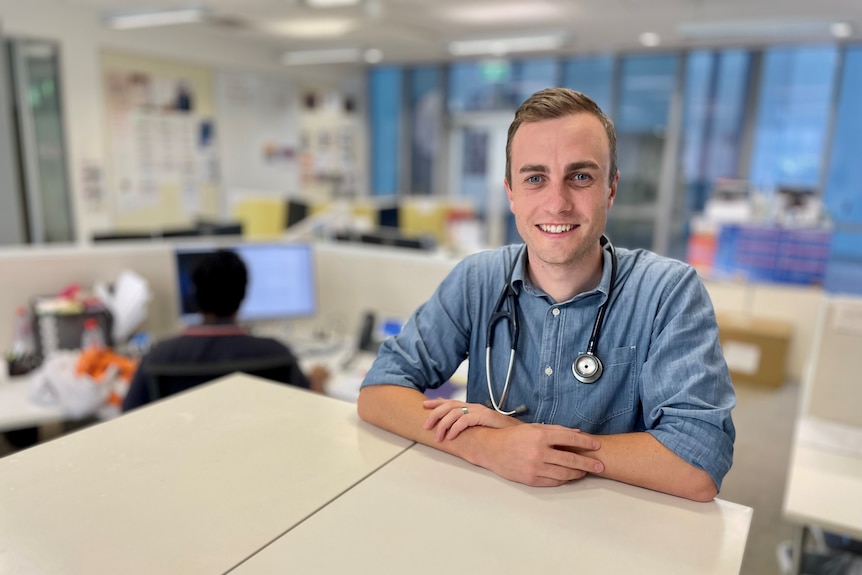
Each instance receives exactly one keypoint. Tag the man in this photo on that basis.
(639, 326)
(219, 281)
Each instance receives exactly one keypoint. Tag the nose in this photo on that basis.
(559, 198)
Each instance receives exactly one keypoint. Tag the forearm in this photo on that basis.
(400, 410)
(640, 459)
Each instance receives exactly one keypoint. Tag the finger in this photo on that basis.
(554, 475)
(432, 403)
(446, 422)
(573, 460)
(560, 436)
(463, 422)
(440, 411)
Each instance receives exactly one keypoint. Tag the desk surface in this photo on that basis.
(427, 512)
(17, 410)
(824, 488)
(192, 484)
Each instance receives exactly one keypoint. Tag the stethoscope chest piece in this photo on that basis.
(587, 368)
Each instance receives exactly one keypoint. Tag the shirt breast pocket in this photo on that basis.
(614, 393)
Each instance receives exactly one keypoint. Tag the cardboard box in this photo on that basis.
(755, 348)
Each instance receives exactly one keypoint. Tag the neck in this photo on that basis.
(565, 281)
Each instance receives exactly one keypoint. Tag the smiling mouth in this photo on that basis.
(556, 228)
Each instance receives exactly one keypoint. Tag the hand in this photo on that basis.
(538, 455)
(452, 417)
(317, 378)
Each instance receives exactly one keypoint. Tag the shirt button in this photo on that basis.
(549, 371)
(556, 311)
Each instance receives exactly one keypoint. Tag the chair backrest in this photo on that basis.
(170, 378)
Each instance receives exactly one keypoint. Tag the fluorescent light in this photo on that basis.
(373, 56)
(752, 29)
(498, 13)
(335, 56)
(841, 29)
(649, 39)
(330, 3)
(147, 19)
(502, 46)
(311, 28)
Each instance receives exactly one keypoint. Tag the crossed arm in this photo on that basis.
(533, 454)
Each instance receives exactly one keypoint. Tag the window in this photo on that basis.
(385, 98)
(792, 117)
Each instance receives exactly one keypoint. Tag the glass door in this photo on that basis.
(34, 68)
(477, 147)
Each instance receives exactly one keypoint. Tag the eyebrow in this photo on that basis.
(585, 164)
(573, 167)
(533, 168)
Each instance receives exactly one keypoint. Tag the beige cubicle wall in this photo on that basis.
(392, 282)
(351, 278)
(30, 272)
(832, 389)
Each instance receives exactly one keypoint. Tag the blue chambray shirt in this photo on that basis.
(664, 371)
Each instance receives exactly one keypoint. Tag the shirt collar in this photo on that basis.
(215, 329)
(521, 279)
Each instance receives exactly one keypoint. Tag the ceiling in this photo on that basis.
(419, 30)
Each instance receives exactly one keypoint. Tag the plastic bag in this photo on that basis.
(58, 383)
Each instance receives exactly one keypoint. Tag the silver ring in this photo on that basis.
(464, 410)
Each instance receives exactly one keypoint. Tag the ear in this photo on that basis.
(613, 189)
(509, 194)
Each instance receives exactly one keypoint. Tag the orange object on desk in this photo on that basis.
(95, 361)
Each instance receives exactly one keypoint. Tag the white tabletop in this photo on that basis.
(429, 512)
(192, 484)
(824, 488)
(18, 411)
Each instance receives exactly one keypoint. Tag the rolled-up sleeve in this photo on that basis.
(685, 385)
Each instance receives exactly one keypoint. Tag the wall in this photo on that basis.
(76, 28)
(46, 271)
(261, 112)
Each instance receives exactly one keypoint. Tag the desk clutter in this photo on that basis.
(76, 348)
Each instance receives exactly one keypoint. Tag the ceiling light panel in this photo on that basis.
(754, 29)
(503, 46)
(335, 56)
(149, 19)
(503, 13)
(311, 28)
(331, 3)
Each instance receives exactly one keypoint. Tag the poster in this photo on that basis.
(157, 141)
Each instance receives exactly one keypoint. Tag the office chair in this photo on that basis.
(170, 378)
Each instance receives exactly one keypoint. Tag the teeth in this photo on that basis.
(557, 229)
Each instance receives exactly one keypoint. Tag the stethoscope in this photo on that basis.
(587, 367)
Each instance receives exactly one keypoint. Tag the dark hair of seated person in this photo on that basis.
(220, 281)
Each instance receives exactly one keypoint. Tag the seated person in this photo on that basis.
(220, 282)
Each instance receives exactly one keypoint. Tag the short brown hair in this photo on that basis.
(552, 103)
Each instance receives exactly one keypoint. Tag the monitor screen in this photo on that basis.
(281, 281)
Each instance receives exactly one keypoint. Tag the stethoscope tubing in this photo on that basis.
(587, 375)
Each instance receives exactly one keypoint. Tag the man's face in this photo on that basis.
(560, 193)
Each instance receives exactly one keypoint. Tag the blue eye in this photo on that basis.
(534, 179)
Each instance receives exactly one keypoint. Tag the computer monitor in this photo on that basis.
(281, 281)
